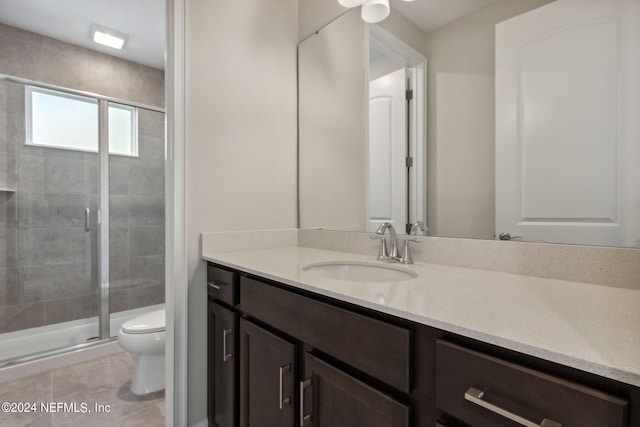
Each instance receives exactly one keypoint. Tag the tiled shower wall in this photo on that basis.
(43, 59)
(48, 262)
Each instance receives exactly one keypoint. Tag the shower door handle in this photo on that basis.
(87, 219)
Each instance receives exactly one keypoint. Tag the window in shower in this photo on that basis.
(69, 121)
(123, 130)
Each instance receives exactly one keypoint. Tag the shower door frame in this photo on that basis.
(103, 219)
(103, 211)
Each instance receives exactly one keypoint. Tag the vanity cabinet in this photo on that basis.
(282, 356)
(328, 395)
(302, 361)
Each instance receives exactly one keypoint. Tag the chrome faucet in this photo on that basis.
(392, 253)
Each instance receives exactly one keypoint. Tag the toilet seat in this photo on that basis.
(145, 324)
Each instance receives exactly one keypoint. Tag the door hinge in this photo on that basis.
(409, 162)
(409, 94)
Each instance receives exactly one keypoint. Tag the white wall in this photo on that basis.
(315, 14)
(460, 110)
(405, 30)
(332, 64)
(241, 139)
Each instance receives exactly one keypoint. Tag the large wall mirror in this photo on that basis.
(520, 121)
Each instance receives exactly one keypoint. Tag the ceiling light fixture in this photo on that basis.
(107, 37)
(372, 11)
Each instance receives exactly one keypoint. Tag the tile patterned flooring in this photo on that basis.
(103, 382)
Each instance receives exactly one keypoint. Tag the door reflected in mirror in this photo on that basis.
(362, 103)
(396, 133)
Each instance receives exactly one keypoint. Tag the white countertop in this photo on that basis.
(588, 327)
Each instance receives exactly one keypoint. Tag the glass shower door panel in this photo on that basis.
(136, 177)
(48, 237)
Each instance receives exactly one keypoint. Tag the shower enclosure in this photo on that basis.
(81, 217)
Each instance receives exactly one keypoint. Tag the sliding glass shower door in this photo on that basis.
(48, 219)
(81, 217)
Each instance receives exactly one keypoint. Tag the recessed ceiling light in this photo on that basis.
(107, 37)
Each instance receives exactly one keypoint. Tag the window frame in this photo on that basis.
(29, 120)
(135, 143)
(29, 123)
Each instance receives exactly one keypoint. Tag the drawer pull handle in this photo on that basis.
(474, 395)
(283, 402)
(216, 285)
(304, 419)
(225, 334)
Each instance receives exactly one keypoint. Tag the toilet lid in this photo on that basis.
(153, 321)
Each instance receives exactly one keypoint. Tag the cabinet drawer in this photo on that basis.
(222, 284)
(485, 391)
(374, 347)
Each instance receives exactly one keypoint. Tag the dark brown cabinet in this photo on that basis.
(267, 378)
(377, 348)
(222, 285)
(222, 366)
(280, 356)
(486, 391)
(278, 345)
(333, 398)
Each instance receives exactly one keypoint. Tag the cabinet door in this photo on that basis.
(222, 366)
(332, 398)
(267, 378)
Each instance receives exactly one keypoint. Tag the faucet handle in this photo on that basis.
(417, 226)
(406, 258)
(383, 254)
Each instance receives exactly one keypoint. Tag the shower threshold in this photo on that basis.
(54, 352)
(62, 340)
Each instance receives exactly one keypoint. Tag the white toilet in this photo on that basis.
(144, 336)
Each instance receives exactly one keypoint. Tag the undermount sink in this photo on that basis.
(358, 271)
